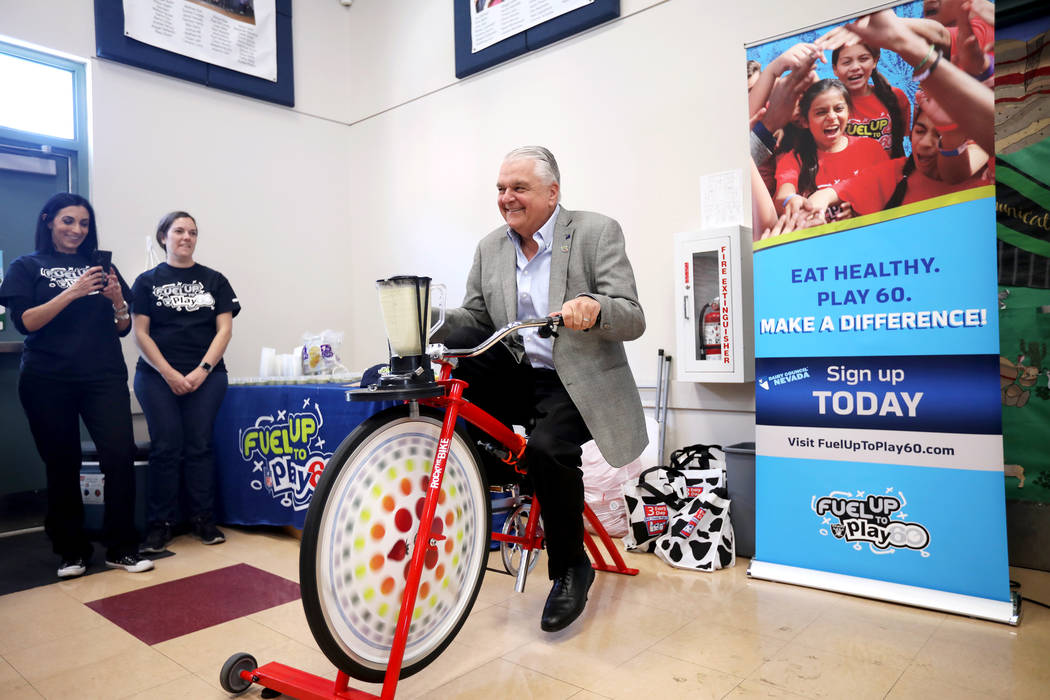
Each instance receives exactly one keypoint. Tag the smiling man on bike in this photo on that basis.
(548, 260)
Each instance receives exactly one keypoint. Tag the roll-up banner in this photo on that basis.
(879, 456)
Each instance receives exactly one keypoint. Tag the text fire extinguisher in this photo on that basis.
(711, 330)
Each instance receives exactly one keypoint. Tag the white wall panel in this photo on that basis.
(387, 163)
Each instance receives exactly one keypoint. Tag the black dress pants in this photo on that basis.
(53, 408)
(518, 394)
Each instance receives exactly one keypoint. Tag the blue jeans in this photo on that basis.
(181, 454)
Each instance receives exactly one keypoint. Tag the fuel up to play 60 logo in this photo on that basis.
(877, 520)
(287, 454)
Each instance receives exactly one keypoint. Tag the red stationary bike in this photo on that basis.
(396, 540)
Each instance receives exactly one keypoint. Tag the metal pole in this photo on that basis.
(665, 394)
(659, 383)
(661, 370)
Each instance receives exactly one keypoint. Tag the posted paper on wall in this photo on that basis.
(720, 199)
(492, 21)
(237, 34)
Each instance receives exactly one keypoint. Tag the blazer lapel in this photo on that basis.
(560, 249)
(508, 267)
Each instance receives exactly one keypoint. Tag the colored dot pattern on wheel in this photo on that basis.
(382, 533)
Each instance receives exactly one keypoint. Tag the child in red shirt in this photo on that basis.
(971, 36)
(879, 110)
(899, 181)
(823, 154)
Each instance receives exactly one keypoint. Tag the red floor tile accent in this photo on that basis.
(168, 610)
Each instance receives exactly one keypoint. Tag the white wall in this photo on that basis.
(268, 185)
(387, 163)
(635, 110)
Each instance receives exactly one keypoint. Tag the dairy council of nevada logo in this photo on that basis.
(872, 519)
(287, 454)
(791, 375)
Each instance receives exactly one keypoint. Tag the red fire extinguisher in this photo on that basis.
(711, 330)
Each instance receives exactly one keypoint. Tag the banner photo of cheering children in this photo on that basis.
(879, 463)
(822, 100)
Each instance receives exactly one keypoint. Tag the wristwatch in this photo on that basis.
(206, 367)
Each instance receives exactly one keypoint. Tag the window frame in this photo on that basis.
(75, 149)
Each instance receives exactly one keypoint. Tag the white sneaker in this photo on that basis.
(71, 568)
(132, 563)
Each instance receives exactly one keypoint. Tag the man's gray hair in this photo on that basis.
(546, 166)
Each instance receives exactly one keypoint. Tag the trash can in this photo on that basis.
(740, 482)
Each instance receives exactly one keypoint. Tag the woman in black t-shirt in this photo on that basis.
(183, 322)
(73, 313)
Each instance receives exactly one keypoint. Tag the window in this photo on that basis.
(43, 113)
(43, 144)
(38, 98)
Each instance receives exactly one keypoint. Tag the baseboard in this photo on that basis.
(23, 510)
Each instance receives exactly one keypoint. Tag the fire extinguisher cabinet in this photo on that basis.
(714, 313)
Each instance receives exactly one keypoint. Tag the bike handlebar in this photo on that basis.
(548, 327)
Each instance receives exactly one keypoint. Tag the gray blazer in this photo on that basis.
(588, 258)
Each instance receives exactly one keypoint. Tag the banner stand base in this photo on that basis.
(1008, 612)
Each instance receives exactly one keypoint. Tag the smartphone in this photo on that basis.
(102, 258)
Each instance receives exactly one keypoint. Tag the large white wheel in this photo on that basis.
(360, 533)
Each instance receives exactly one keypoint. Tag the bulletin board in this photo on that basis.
(566, 25)
(110, 43)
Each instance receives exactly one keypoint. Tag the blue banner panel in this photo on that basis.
(921, 526)
(271, 445)
(878, 404)
(881, 393)
(923, 284)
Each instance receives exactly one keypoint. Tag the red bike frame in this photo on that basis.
(307, 686)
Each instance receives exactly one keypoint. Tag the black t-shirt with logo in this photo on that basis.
(182, 303)
(81, 342)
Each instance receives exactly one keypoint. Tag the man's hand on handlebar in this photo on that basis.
(580, 313)
(551, 329)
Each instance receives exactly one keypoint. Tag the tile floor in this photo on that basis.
(663, 634)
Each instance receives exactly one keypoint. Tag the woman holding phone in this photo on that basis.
(71, 304)
(183, 322)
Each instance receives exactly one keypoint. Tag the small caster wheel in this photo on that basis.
(230, 675)
(269, 693)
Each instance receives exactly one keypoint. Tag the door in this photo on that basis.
(27, 178)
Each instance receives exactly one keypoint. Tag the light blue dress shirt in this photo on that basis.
(533, 286)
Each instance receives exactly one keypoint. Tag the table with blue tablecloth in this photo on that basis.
(272, 443)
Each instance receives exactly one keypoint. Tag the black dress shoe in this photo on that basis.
(568, 597)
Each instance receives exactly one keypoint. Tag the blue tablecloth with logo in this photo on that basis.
(272, 443)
